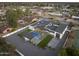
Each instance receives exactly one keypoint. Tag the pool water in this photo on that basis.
(36, 34)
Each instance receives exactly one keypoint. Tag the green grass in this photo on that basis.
(21, 34)
(45, 41)
(62, 52)
(69, 52)
(28, 30)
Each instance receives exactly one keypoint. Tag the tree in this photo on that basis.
(6, 48)
(19, 12)
(69, 52)
(27, 12)
(11, 17)
(74, 9)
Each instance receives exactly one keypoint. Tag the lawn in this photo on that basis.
(28, 30)
(21, 34)
(45, 41)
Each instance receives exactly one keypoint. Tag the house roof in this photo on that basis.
(57, 27)
(51, 25)
(75, 17)
(28, 35)
(61, 28)
(42, 23)
(2, 28)
(27, 18)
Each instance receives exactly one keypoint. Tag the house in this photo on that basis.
(38, 12)
(58, 30)
(65, 12)
(22, 22)
(55, 13)
(39, 24)
(2, 12)
(47, 7)
(75, 18)
(35, 19)
(54, 28)
(4, 29)
(26, 20)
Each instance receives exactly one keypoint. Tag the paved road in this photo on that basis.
(21, 29)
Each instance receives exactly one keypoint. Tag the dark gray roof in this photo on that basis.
(61, 28)
(52, 26)
(28, 35)
(42, 23)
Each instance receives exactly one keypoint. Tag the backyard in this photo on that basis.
(42, 43)
(21, 34)
(45, 41)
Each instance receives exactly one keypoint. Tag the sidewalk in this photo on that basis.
(14, 32)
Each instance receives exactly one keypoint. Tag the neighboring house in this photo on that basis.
(65, 12)
(75, 17)
(56, 29)
(26, 20)
(47, 8)
(54, 13)
(5, 29)
(35, 19)
(2, 12)
(22, 22)
(38, 12)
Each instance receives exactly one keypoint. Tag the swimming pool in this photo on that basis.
(37, 35)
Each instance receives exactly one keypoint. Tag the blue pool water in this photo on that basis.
(36, 35)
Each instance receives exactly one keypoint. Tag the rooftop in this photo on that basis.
(61, 28)
(50, 25)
